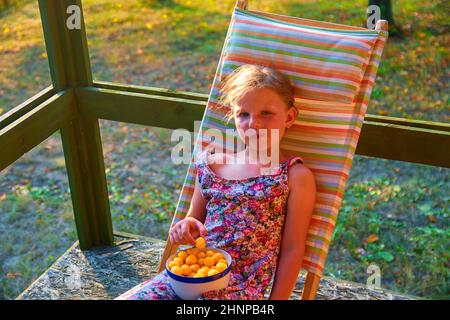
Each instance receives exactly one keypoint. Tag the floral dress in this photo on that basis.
(244, 217)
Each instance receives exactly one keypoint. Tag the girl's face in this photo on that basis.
(262, 108)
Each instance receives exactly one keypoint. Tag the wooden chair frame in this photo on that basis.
(312, 279)
(73, 104)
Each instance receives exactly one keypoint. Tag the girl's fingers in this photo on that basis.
(176, 235)
(179, 236)
(181, 233)
(201, 228)
(195, 235)
(174, 239)
(185, 233)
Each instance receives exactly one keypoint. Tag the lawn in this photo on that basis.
(394, 214)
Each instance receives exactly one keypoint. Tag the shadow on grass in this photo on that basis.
(160, 4)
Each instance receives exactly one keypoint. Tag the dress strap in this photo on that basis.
(294, 159)
(201, 157)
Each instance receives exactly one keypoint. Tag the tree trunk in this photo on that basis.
(386, 14)
(385, 9)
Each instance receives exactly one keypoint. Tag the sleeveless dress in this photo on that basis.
(244, 217)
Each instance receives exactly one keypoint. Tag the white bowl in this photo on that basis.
(188, 288)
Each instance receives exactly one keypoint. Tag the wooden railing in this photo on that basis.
(75, 103)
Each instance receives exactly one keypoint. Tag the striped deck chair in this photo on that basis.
(333, 69)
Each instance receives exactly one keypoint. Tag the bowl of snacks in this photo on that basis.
(199, 269)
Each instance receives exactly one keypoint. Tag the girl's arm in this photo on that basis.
(197, 209)
(191, 227)
(302, 198)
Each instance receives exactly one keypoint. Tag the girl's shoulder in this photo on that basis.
(298, 172)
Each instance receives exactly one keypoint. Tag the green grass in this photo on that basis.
(401, 208)
(400, 225)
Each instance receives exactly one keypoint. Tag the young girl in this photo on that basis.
(261, 220)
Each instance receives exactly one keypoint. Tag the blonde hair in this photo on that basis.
(249, 76)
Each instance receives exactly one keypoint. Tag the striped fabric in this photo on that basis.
(333, 71)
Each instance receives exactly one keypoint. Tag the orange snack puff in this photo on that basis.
(191, 259)
(200, 243)
(221, 266)
(217, 256)
(178, 261)
(209, 261)
(199, 275)
(193, 251)
(186, 269)
(177, 270)
(195, 268)
(182, 255)
(212, 272)
(197, 261)
(203, 270)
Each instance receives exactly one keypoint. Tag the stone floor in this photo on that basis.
(106, 272)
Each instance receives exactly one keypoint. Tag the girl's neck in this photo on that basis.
(262, 157)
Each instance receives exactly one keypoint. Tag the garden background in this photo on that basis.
(394, 214)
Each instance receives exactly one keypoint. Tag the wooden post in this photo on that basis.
(70, 67)
(310, 287)
(242, 4)
(382, 25)
(168, 251)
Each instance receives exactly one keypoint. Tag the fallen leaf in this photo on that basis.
(372, 238)
(12, 275)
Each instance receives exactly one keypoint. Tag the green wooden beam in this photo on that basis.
(425, 124)
(151, 90)
(20, 110)
(70, 67)
(405, 143)
(414, 141)
(29, 130)
(67, 50)
(139, 108)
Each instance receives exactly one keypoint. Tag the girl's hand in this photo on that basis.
(186, 231)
